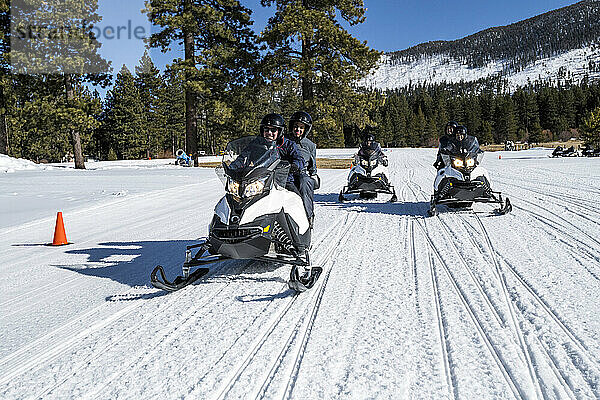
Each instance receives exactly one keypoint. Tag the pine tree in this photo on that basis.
(4, 73)
(149, 82)
(528, 120)
(591, 128)
(219, 51)
(504, 120)
(172, 109)
(307, 43)
(124, 117)
(76, 60)
(548, 109)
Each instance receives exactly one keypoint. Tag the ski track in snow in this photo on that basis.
(466, 304)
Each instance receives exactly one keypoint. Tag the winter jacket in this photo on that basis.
(288, 151)
(365, 151)
(308, 151)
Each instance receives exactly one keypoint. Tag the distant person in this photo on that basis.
(369, 145)
(459, 142)
(448, 133)
(299, 127)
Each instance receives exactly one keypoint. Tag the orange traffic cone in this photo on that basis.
(60, 238)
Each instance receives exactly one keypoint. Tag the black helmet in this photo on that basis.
(275, 120)
(453, 125)
(369, 133)
(460, 131)
(301, 116)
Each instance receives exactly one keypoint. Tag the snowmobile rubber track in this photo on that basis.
(179, 283)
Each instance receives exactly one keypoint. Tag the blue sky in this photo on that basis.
(391, 24)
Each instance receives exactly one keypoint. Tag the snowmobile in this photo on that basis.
(183, 159)
(461, 182)
(559, 151)
(257, 219)
(589, 151)
(368, 177)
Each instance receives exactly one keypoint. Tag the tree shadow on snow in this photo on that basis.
(131, 263)
(380, 205)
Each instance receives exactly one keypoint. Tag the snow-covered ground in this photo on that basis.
(441, 68)
(463, 305)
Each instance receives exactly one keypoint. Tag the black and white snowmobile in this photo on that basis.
(559, 151)
(368, 177)
(589, 151)
(257, 219)
(462, 181)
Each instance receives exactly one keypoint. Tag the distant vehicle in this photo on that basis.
(183, 159)
(589, 151)
(560, 151)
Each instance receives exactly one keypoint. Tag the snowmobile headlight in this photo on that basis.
(233, 187)
(254, 188)
(470, 162)
(458, 163)
(364, 163)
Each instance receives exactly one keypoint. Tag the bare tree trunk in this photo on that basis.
(3, 135)
(191, 140)
(307, 84)
(75, 137)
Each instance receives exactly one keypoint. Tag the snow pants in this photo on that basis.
(304, 185)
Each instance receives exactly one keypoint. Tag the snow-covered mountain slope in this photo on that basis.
(573, 65)
(462, 305)
(559, 45)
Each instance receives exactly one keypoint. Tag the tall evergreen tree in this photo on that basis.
(124, 117)
(4, 73)
(307, 42)
(591, 128)
(172, 109)
(149, 82)
(218, 49)
(72, 54)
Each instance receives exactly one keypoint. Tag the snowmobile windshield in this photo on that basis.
(370, 152)
(469, 146)
(254, 160)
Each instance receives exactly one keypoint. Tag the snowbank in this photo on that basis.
(10, 164)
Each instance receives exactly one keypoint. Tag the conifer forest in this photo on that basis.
(226, 77)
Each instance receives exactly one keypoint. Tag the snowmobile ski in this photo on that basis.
(506, 208)
(179, 283)
(303, 283)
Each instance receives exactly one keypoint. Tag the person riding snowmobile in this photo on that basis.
(272, 129)
(448, 134)
(369, 145)
(307, 181)
(258, 218)
(462, 181)
(460, 142)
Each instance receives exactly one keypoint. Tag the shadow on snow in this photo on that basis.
(130, 263)
(380, 205)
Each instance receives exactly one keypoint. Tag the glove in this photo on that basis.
(317, 181)
(294, 169)
(384, 162)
